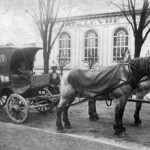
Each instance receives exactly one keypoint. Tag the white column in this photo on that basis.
(105, 45)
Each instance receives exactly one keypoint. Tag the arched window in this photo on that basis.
(65, 46)
(120, 44)
(91, 45)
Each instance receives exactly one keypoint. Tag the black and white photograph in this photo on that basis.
(74, 74)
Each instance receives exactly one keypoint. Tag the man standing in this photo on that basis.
(54, 81)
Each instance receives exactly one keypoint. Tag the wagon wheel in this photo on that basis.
(46, 106)
(3, 100)
(17, 108)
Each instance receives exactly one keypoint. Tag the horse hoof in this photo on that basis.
(97, 117)
(121, 134)
(68, 126)
(60, 130)
(94, 118)
(139, 124)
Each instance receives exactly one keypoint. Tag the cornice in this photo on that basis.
(95, 16)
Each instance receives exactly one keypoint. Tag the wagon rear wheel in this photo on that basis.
(45, 105)
(17, 108)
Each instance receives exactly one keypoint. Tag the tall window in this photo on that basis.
(65, 46)
(91, 45)
(120, 45)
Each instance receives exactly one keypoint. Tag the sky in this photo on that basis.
(17, 27)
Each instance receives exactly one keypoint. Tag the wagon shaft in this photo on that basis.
(49, 98)
(138, 100)
(31, 107)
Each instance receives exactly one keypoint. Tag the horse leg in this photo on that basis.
(119, 110)
(60, 108)
(58, 120)
(65, 111)
(138, 122)
(92, 110)
(67, 124)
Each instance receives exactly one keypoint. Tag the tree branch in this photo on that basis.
(130, 3)
(146, 34)
(125, 14)
(147, 24)
(60, 29)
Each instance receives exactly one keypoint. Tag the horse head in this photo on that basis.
(140, 67)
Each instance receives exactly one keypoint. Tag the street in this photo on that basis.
(39, 132)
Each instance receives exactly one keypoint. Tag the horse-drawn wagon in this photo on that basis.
(20, 88)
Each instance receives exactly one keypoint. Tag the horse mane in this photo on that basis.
(140, 63)
(140, 67)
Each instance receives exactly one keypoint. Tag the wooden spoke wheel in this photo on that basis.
(44, 106)
(3, 100)
(17, 108)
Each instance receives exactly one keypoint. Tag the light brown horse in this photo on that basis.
(123, 80)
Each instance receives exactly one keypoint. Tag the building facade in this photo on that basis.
(104, 36)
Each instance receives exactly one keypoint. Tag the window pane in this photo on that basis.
(65, 46)
(91, 45)
(85, 42)
(85, 52)
(120, 43)
(115, 40)
(96, 42)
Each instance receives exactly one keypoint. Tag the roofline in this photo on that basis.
(19, 47)
(93, 16)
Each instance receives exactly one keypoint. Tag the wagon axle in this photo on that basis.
(15, 108)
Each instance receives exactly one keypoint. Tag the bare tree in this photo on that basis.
(148, 53)
(46, 20)
(62, 63)
(138, 19)
(126, 56)
(91, 61)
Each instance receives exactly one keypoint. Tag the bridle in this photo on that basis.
(137, 70)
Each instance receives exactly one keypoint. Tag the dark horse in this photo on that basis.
(142, 89)
(116, 82)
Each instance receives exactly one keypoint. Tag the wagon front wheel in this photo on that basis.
(17, 108)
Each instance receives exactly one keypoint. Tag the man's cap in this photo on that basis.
(54, 67)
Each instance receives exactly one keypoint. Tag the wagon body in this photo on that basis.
(19, 94)
(10, 57)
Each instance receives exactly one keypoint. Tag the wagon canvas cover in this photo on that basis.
(96, 80)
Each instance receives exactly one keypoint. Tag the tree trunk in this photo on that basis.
(45, 57)
(46, 61)
(46, 64)
(138, 46)
(61, 71)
